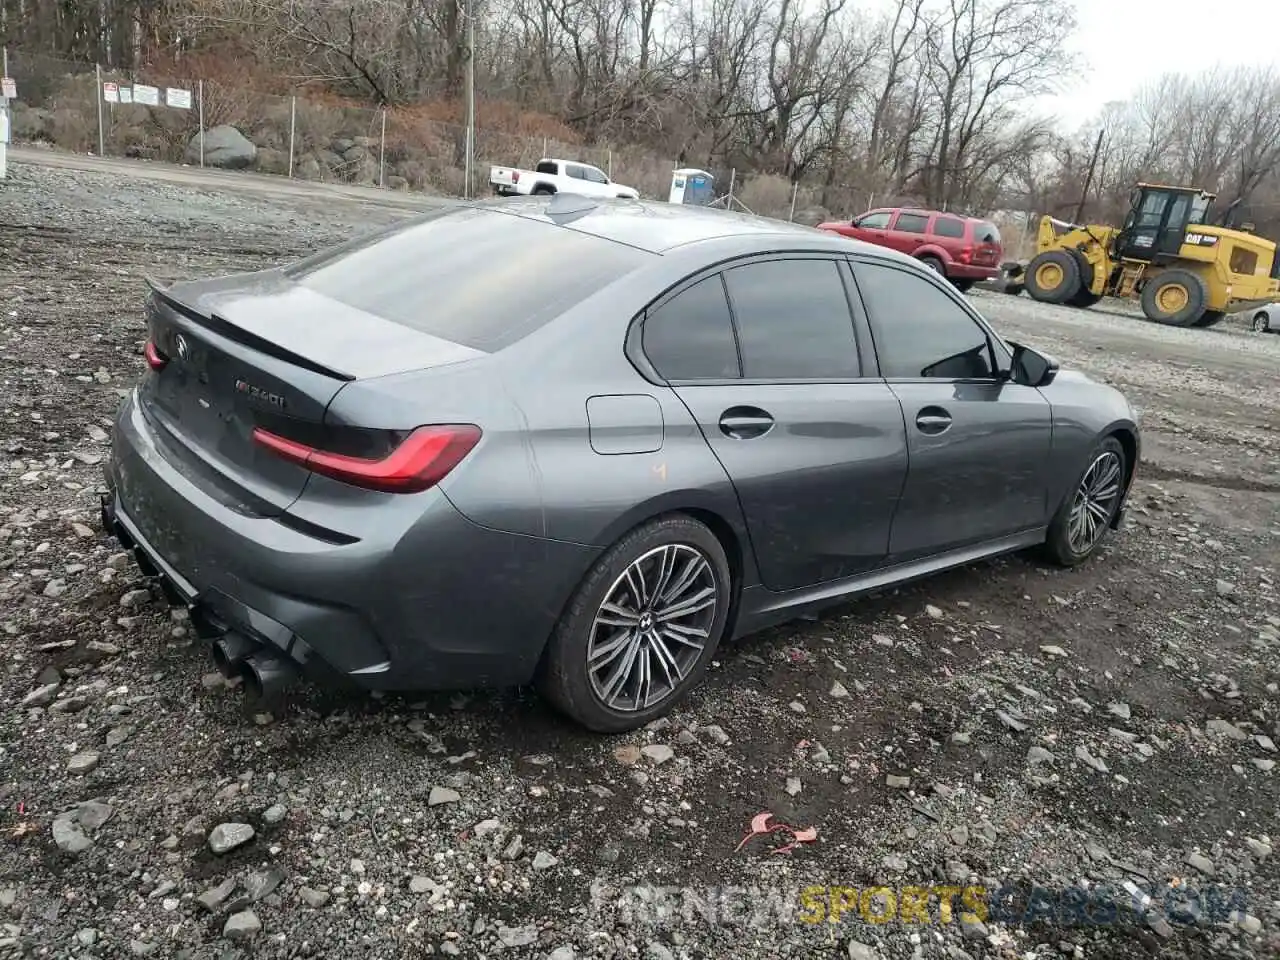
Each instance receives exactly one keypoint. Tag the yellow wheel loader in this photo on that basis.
(1184, 272)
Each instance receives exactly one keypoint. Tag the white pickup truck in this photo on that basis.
(557, 176)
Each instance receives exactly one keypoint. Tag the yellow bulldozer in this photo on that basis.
(1184, 271)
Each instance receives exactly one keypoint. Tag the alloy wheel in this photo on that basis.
(652, 628)
(1094, 502)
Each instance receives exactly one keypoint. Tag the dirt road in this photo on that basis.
(1100, 736)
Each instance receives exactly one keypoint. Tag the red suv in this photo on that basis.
(963, 249)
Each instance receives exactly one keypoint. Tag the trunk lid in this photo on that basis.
(262, 351)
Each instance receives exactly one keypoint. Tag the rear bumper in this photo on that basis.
(439, 604)
(967, 271)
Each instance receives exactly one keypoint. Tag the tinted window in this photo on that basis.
(919, 330)
(793, 320)
(594, 175)
(690, 337)
(874, 221)
(476, 277)
(546, 166)
(948, 227)
(986, 232)
(912, 222)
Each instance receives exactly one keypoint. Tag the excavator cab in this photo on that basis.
(1156, 225)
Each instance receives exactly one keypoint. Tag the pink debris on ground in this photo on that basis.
(762, 824)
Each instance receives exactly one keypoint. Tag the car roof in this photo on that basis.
(661, 227)
(928, 213)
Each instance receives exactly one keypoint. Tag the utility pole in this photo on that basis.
(470, 13)
(1088, 179)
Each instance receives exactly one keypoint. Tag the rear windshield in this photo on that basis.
(984, 232)
(475, 277)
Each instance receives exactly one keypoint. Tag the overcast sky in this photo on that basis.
(1120, 44)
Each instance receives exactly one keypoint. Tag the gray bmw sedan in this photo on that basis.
(582, 443)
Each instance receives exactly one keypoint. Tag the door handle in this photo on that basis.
(933, 421)
(744, 423)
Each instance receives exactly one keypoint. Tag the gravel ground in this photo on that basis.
(1106, 736)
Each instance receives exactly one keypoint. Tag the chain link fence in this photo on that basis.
(153, 115)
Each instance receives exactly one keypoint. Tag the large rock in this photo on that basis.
(224, 146)
(272, 161)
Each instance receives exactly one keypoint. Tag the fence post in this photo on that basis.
(382, 151)
(4, 120)
(200, 93)
(733, 176)
(609, 168)
(293, 122)
(795, 191)
(97, 74)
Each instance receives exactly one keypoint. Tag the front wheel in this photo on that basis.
(1053, 276)
(641, 628)
(1089, 509)
(1261, 322)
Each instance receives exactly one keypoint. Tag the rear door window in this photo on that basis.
(911, 223)
(948, 227)
(793, 320)
(475, 277)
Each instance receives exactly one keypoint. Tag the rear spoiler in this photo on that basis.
(160, 292)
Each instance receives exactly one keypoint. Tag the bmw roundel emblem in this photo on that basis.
(183, 348)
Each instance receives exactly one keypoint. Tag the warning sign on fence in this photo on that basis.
(8, 88)
(111, 92)
(176, 97)
(126, 94)
(150, 96)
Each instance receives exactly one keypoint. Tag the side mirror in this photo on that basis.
(1032, 369)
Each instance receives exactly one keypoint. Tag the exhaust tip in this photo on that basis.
(266, 676)
(230, 651)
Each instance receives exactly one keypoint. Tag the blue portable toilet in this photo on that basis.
(692, 186)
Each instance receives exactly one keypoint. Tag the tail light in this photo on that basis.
(155, 359)
(515, 176)
(966, 254)
(421, 460)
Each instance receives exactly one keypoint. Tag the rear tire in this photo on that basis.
(1176, 298)
(1014, 289)
(542, 190)
(1087, 511)
(1261, 322)
(964, 286)
(616, 620)
(934, 264)
(1053, 276)
(1084, 299)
